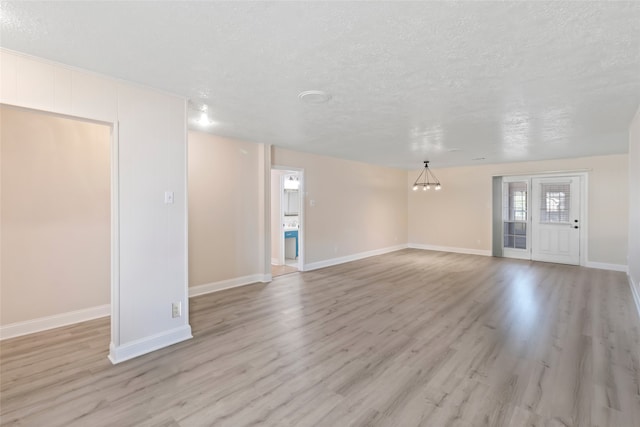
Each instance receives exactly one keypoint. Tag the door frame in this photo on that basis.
(301, 216)
(114, 213)
(583, 211)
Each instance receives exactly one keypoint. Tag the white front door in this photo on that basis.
(556, 222)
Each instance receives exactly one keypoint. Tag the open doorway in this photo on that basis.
(286, 221)
(56, 220)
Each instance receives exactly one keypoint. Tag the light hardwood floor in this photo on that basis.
(405, 339)
(281, 270)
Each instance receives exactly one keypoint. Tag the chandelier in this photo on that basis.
(426, 179)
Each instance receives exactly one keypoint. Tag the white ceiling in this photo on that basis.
(445, 81)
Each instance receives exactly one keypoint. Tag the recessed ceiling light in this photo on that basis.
(203, 119)
(314, 96)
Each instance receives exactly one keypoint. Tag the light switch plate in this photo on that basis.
(168, 197)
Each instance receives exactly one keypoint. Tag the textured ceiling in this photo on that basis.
(446, 81)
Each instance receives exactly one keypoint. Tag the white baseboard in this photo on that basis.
(266, 278)
(450, 249)
(148, 344)
(349, 258)
(275, 261)
(607, 266)
(227, 284)
(635, 291)
(17, 329)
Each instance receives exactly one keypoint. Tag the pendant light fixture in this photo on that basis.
(428, 179)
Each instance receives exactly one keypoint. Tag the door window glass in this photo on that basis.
(515, 215)
(556, 203)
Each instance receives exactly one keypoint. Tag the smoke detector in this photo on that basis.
(314, 96)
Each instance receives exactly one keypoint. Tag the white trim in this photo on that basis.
(17, 329)
(634, 292)
(275, 261)
(545, 173)
(148, 344)
(281, 240)
(115, 235)
(354, 257)
(185, 188)
(467, 251)
(207, 288)
(607, 266)
(514, 253)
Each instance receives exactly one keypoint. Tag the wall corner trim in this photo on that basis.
(354, 257)
(207, 288)
(148, 344)
(17, 329)
(450, 249)
(606, 266)
(635, 292)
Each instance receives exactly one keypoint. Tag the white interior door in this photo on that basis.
(555, 220)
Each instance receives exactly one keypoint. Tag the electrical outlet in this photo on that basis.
(176, 309)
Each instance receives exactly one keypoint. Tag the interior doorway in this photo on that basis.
(286, 221)
(542, 218)
(55, 220)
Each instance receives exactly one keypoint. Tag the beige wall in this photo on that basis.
(55, 215)
(358, 207)
(223, 209)
(459, 216)
(634, 201)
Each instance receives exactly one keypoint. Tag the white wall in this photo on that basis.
(460, 215)
(634, 204)
(149, 249)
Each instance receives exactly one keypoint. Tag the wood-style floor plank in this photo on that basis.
(411, 338)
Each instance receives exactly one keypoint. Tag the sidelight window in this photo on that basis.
(514, 215)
